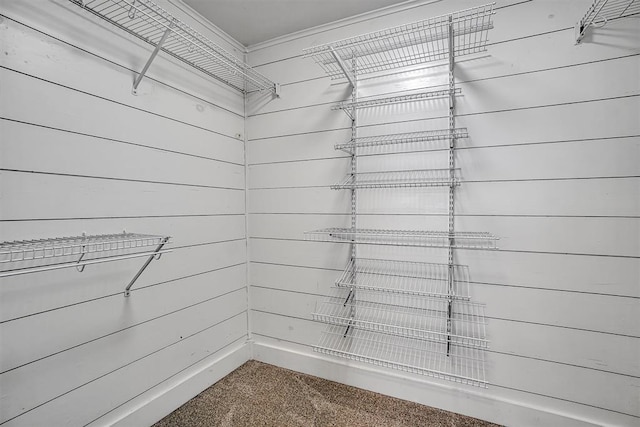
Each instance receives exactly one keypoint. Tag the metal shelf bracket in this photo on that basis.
(138, 79)
(155, 255)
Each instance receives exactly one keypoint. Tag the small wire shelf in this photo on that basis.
(400, 179)
(601, 11)
(371, 142)
(421, 318)
(406, 45)
(405, 277)
(149, 22)
(419, 238)
(463, 365)
(379, 102)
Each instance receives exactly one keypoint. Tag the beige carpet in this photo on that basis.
(257, 394)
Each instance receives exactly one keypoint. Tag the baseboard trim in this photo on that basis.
(430, 393)
(173, 393)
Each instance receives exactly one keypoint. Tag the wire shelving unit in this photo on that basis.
(406, 277)
(372, 142)
(413, 316)
(399, 179)
(602, 11)
(40, 255)
(152, 24)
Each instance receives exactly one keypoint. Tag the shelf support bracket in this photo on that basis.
(154, 255)
(342, 66)
(140, 76)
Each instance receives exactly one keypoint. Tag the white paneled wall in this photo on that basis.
(552, 166)
(80, 153)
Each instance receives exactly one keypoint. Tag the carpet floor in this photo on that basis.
(257, 394)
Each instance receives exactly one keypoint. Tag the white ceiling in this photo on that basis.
(255, 21)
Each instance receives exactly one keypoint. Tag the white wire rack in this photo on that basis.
(405, 277)
(431, 239)
(601, 11)
(379, 102)
(32, 256)
(371, 142)
(399, 179)
(462, 364)
(152, 24)
(422, 318)
(406, 45)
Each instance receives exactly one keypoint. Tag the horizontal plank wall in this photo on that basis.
(552, 167)
(80, 153)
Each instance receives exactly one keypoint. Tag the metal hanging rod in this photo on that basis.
(26, 256)
(602, 11)
(406, 45)
(418, 238)
(378, 102)
(149, 22)
(371, 142)
(464, 365)
(405, 277)
(421, 318)
(399, 179)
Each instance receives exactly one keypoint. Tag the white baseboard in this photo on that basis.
(476, 404)
(173, 393)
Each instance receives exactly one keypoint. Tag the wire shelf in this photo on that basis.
(601, 11)
(421, 318)
(404, 277)
(28, 250)
(431, 239)
(369, 142)
(406, 45)
(463, 365)
(378, 102)
(149, 22)
(400, 179)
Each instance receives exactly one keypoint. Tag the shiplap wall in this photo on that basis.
(80, 153)
(552, 167)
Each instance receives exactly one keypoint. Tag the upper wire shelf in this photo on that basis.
(421, 318)
(397, 99)
(26, 256)
(400, 179)
(601, 11)
(149, 22)
(372, 142)
(430, 239)
(405, 277)
(461, 364)
(406, 45)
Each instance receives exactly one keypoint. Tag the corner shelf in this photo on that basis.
(418, 238)
(370, 142)
(406, 277)
(26, 256)
(150, 23)
(399, 179)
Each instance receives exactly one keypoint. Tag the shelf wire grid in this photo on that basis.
(419, 238)
(148, 22)
(408, 44)
(463, 365)
(371, 142)
(406, 277)
(28, 250)
(601, 11)
(422, 318)
(422, 96)
(399, 179)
